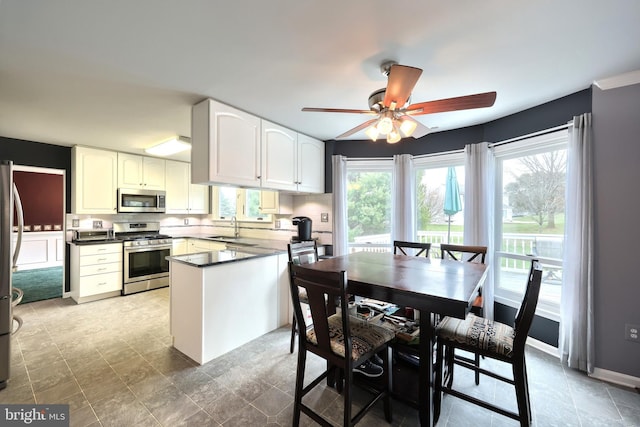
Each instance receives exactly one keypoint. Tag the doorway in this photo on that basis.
(41, 262)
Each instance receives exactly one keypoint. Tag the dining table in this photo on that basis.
(432, 286)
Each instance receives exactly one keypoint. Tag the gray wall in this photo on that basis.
(616, 123)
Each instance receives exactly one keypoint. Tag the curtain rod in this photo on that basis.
(530, 135)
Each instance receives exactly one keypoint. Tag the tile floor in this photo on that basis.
(112, 362)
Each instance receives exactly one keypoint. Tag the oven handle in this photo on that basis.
(131, 249)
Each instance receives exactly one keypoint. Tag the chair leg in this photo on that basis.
(477, 372)
(388, 380)
(437, 393)
(449, 356)
(293, 334)
(519, 376)
(302, 360)
(347, 395)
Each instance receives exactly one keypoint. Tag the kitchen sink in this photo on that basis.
(228, 239)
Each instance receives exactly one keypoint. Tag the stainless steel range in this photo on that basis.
(145, 252)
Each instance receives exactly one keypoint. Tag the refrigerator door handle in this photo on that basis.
(18, 204)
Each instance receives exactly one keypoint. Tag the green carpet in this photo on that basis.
(39, 284)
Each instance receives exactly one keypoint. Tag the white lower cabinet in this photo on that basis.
(96, 271)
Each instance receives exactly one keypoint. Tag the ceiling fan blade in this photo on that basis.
(357, 128)
(420, 130)
(402, 79)
(479, 100)
(338, 110)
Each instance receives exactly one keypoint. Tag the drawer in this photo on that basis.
(101, 249)
(100, 259)
(100, 283)
(112, 267)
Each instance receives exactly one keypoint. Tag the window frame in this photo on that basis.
(539, 144)
(240, 206)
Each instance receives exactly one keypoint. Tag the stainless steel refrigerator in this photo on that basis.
(9, 198)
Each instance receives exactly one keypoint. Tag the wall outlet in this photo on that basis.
(324, 217)
(278, 224)
(186, 221)
(75, 223)
(97, 224)
(632, 333)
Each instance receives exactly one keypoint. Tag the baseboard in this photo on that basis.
(616, 378)
(543, 346)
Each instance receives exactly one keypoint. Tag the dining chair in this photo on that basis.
(301, 253)
(344, 342)
(401, 247)
(494, 340)
(468, 253)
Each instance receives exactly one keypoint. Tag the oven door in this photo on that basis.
(146, 263)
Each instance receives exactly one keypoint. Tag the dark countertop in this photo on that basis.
(94, 242)
(208, 259)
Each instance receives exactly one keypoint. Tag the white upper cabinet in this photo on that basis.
(310, 165)
(182, 196)
(235, 148)
(94, 180)
(279, 153)
(141, 172)
(225, 145)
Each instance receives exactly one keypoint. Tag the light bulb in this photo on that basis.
(372, 132)
(385, 125)
(408, 126)
(394, 136)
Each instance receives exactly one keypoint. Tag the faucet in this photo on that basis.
(234, 222)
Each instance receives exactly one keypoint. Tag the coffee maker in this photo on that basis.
(304, 228)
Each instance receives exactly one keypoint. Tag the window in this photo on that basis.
(529, 213)
(244, 204)
(433, 224)
(369, 205)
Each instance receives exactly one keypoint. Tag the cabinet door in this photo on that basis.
(225, 145)
(94, 181)
(177, 186)
(279, 151)
(130, 171)
(310, 165)
(153, 173)
(199, 199)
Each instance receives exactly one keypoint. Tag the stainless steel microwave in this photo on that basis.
(137, 200)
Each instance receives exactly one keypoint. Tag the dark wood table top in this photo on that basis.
(446, 287)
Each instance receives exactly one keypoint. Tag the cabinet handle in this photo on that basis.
(259, 177)
(102, 283)
(102, 249)
(101, 259)
(101, 269)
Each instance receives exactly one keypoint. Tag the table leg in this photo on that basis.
(425, 386)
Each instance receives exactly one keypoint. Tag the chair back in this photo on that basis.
(524, 316)
(467, 253)
(320, 286)
(303, 252)
(411, 248)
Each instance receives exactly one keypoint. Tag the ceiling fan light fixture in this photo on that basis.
(408, 126)
(393, 136)
(385, 125)
(372, 132)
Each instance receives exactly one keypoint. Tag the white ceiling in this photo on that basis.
(123, 74)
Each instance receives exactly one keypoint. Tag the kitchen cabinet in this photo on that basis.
(310, 165)
(96, 271)
(225, 145)
(183, 197)
(202, 245)
(141, 172)
(179, 246)
(232, 147)
(274, 202)
(279, 157)
(94, 182)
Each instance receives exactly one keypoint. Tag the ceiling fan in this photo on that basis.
(394, 119)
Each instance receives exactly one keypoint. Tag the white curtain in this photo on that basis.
(479, 188)
(340, 225)
(576, 343)
(403, 199)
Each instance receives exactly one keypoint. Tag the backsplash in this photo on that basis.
(312, 206)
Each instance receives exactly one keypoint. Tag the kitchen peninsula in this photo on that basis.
(225, 298)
